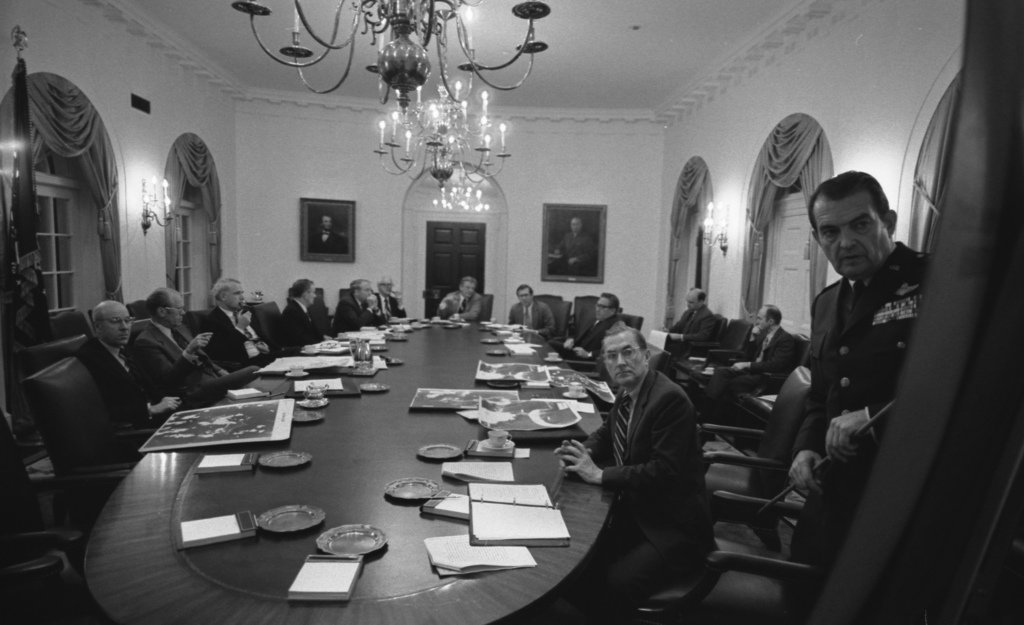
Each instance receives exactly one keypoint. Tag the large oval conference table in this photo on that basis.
(137, 574)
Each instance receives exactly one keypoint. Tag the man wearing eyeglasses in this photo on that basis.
(587, 342)
(177, 362)
(648, 453)
(237, 341)
(131, 397)
(388, 299)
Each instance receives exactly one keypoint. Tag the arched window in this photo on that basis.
(796, 152)
(192, 244)
(689, 261)
(930, 172)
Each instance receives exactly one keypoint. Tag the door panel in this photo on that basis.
(454, 250)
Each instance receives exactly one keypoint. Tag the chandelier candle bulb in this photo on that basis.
(382, 125)
(408, 141)
(296, 29)
(502, 128)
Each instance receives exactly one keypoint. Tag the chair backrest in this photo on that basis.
(560, 311)
(20, 511)
(137, 327)
(659, 360)
(783, 425)
(72, 418)
(486, 307)
(720, 324)
(138, 309)
(343, 293)
(319, 314)
(268, 317)
(70, 323)
(735, 334)
(634, 321)
(803, 350)
(547, 298)
(584, 313)
(194, 320)
(38, 357)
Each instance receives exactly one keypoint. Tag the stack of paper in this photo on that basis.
(219, 463)
(326, 578)
(451, 505)
(516, 524)
(453, 555)
(478, 471)
(217, 529)
(246, 393)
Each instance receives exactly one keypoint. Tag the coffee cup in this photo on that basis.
(309, 349)
(576, 389)
(296, 370)
(552, 355)
(498, 438)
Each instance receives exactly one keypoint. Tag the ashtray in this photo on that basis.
(351, 540)
(412, 488)
(503, 383)
(292, 374)
(285, 459)
(497, 352)
(307, 416)
(393, 361)
(290, 518)
(440, 451)
(574, 396)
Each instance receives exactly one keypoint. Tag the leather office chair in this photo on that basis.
(560, 311)
(764, 474)
(547, 298)
(37, 357)
(138, 309)
(194, 320)
(319, 314)
(70, 323)
(634, 321)
(137, 327)
(268, 317)
(750, 406)
(584, 313)
(486, 307)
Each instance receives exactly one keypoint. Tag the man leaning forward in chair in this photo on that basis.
(647, 452)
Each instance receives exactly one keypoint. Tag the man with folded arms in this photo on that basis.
(130, 396)
(388, 299)
(587, 342)
(237, 341)
(357, 309)
(646, 452)
(297, 327)
(860, 332)
(697, 325)
(531, 313)
(169, 355)
(462, 305)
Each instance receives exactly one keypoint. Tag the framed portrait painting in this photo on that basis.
(573, 249)
(327, 230)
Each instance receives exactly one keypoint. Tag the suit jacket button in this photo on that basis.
(844, 382)
(844, 350)
(901, 345)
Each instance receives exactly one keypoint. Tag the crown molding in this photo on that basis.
(789, 34)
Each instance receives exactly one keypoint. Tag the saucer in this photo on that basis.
(296, 375)
(312, 403)
(553, 360)
(486, 444)
(572, 396)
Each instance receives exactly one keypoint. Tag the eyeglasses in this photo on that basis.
(627, 354)
(172, 308)
(603, 306)
(116, 321)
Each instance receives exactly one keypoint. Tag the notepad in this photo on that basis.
(478, 471)
(326, 578)
(453, 555)
(519, 350)
(220, 463)
(521, 494)
(246, 393)
(217, 529)
(448, 504)
(505, 524)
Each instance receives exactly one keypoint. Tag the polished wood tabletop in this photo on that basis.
(137, 575)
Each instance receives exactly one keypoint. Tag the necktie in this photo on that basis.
(385, 305)
(858, 292)
(689, 320)
(123, 355)
(527, 319)
(462, 304)
(760, 350)
(179, 340)
(622, 429)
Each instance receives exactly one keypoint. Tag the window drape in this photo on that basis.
(795, 150)
(190, 162)
(693, 192)
(931, 171)
(68, 124)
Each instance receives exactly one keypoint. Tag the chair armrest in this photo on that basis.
(723, 561)
(724, 356)
(772, 383)
(38, 568)
(724, 457)
(785, 507)
(583, 366)
(714, 428)
(102, 470)
(57, 538)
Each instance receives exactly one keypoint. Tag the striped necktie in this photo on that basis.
(527, 318)
(622, 429)
(179, 340)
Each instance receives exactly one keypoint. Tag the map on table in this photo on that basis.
(283, 365)
(531, 414)
(563, 377)
(511, 371)
(456, 399)
(254, 422)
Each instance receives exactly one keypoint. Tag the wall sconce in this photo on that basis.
(150, 203)
(709, 229)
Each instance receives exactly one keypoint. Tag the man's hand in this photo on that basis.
(568, 343)
(575, 458)
(398, 296)
(582, 353)
(244, 319)
(167, 404)
(839, 443)
(801, 472)
(740, 366)
(198, 343)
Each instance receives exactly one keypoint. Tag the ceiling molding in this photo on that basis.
(807, 20)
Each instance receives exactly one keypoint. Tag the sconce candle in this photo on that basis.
(150, 202)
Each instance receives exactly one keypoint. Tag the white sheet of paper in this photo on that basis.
(521, 453)
(378, 363)
(283, 365)
(333, 384)
(498, 521)
(325, 577)
(202, 529)
(532, 494)
(520, 349)
(221, 460)
(469, 471)
(455, 552)
(581, 406)
(657, 338)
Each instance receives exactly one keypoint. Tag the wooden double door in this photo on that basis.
(454, 249)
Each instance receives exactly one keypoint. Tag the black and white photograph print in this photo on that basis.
(327, 230)
(511, 371)
(527, 415)
(456, 399)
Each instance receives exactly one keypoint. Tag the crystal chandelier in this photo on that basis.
(467, 198)
(402, 62)
(442, 135)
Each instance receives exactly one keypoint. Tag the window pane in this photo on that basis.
(46, 251)
(45, 206)
(64, 253)
(186, 227)
(65, 296)
(185, 259)
(50, 282)
(60, 216)
(186, 280)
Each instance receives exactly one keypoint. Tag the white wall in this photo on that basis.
(865, 79)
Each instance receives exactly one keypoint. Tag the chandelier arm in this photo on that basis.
(504, 87)
(404, 169)
(297, 64)
(460, 28)
(431, 20)
(337, 22)
(385, 167)
(348, 67)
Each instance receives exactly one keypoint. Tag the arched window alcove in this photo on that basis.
(689, 262)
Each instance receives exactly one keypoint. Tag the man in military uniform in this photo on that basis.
(860, 332)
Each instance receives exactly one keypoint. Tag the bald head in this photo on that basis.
(112, 323)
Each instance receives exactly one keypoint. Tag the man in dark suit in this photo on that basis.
(770, 350)
(297, 327)
(534, 315)
(648, 453)
(860, 333)
(388, 299)
(237, 340)
(357, 309)
(129, 395)
(168, 354)
(462, 305)
(587, 341)
(697, 325)
(324, 240)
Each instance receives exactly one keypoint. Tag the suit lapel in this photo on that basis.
(639, 410)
